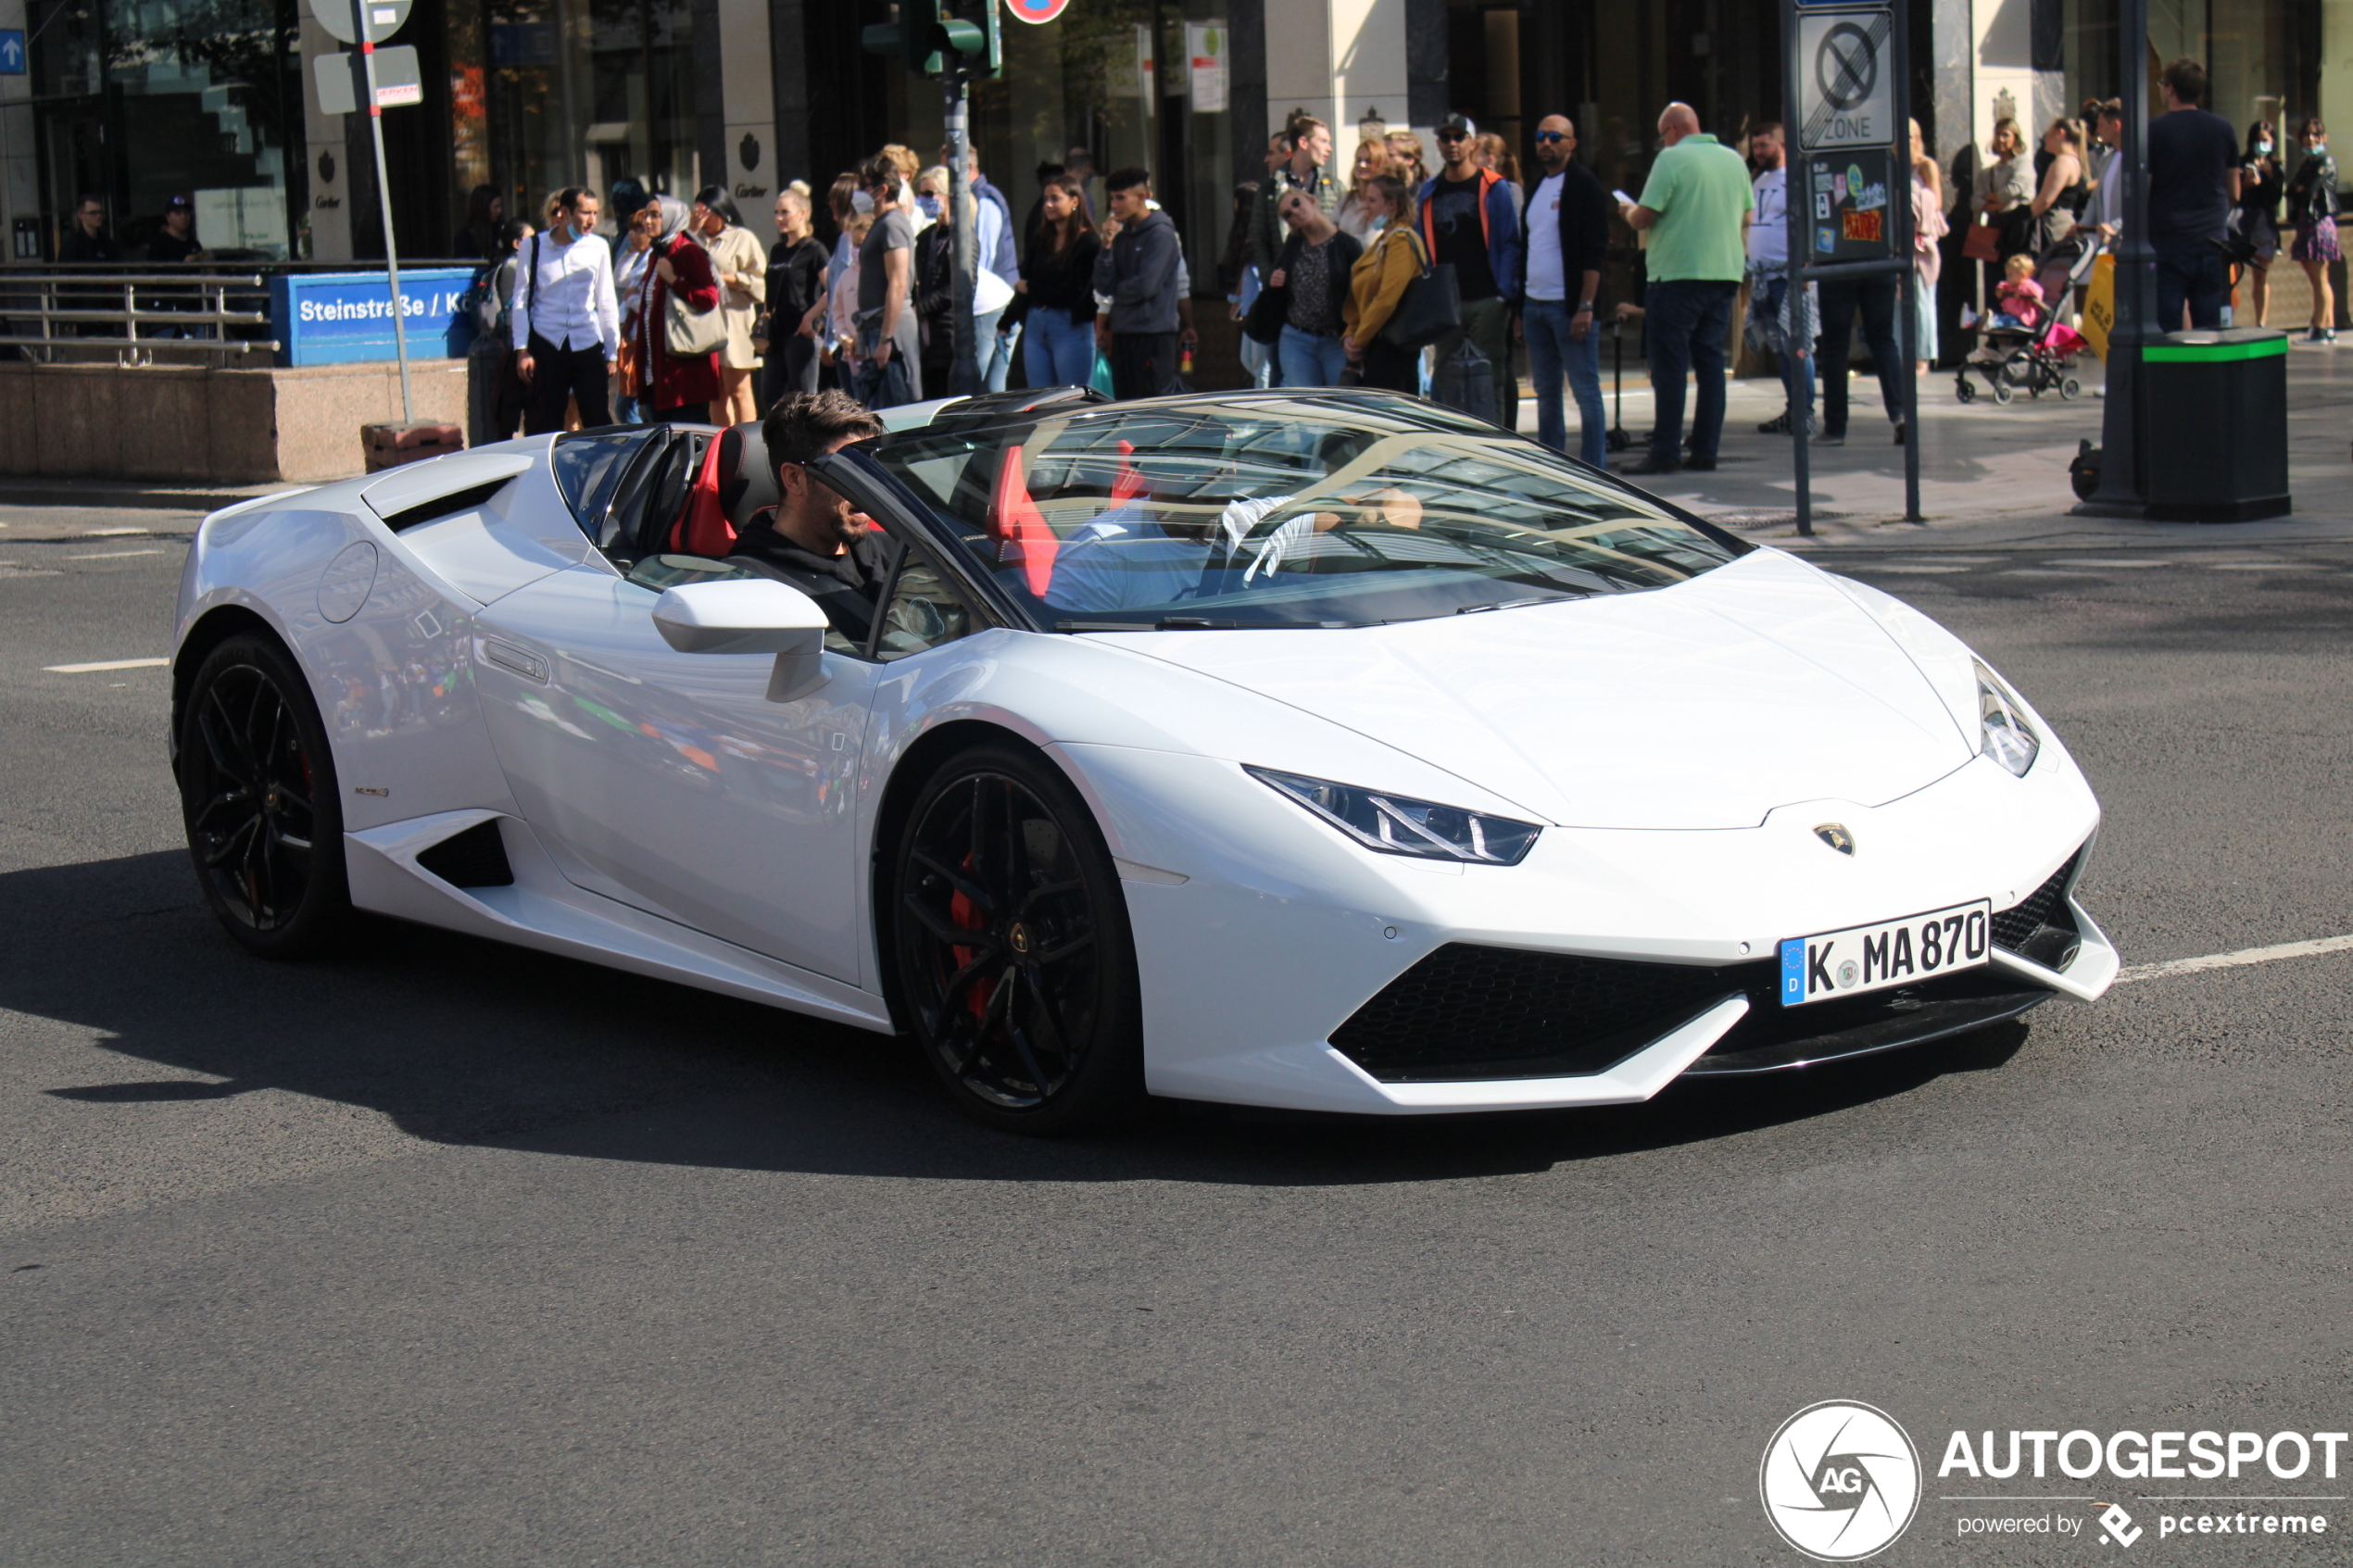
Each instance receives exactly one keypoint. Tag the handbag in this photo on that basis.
(1432, 306)
(688, 332)
(1263, 322)
(1981, 244)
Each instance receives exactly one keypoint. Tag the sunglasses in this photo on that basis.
(1543, 137)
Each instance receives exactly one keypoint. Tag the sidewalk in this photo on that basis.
(1989, 474)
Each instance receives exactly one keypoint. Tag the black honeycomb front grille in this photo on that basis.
(1466, 1012)
(2038, 927)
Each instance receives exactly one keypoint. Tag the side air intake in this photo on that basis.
(476, 858)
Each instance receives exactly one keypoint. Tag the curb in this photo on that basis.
(99, 493)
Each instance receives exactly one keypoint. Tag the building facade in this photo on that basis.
(137, 100)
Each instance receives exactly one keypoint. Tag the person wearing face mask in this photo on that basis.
(566, 318)
(934, 294)
(2261, 184)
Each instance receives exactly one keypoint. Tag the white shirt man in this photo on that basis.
(566, 319)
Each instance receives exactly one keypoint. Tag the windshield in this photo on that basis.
(1304, 510)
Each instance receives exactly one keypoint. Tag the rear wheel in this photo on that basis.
(1010, 953)
(257, 794)
(2070, 390)
(2002, 393)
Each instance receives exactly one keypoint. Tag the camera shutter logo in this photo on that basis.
(1840, 1481)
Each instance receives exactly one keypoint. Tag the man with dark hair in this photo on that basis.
(1138, 270)
(1307, 170)
(2193, 184)
(887, 335)
(566, 319)
(87, 241)
(813, 539)
(1469, 220)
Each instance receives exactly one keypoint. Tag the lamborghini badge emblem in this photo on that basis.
(1836, 837)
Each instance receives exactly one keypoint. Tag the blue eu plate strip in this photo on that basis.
(1793, 971)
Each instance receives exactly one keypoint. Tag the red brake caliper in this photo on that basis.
(961, 911)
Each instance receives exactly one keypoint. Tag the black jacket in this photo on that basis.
(1063, 281)
(796, 275)
(1585, 212)
(847, 587)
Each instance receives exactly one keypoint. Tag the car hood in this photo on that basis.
(1707, 705)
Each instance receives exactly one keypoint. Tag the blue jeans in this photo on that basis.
(1553, 352)
(1309, 359)
(1797, 359)
(1684, 332)
(1057, 351)
(2188, 272)
(994, 354)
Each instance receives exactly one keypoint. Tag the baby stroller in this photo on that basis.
(2037, 361)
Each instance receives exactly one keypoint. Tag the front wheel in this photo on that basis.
(257, 794)
(2070, 390)
(1013, 963)
(2002, 393)
(1965, 389)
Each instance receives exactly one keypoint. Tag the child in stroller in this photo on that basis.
(2026, 341)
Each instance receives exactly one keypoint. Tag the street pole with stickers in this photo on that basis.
(1849, 185)
(373, 78)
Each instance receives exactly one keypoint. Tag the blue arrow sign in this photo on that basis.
(11, 50)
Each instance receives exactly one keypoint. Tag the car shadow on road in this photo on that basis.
(466, 1042)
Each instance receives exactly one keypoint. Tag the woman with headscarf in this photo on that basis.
(742, 266)
(671, 387)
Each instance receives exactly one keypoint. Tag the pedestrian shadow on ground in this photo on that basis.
(462, 1041)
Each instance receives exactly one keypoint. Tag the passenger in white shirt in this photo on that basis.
(1777, 321)
(566, 318)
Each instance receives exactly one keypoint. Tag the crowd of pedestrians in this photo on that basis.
(661, 307)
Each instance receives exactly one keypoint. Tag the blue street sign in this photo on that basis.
(336, 317)
(12, 61)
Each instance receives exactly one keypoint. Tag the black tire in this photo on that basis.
(259, 796)
(1966, 390)
(1010, 959)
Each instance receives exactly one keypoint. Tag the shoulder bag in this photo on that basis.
(1272, 307)
(688, 332)
(1431, 307)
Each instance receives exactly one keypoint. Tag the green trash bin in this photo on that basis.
(2215, 425)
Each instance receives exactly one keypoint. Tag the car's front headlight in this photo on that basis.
(2006, 737)
(1398, 824)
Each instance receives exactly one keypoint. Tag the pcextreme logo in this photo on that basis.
(1840, 1481)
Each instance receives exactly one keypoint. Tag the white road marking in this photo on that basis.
(2111, 562)
(113, 555)
(2233, 960)
(108, 532)
(1908, 569)
(104, 664)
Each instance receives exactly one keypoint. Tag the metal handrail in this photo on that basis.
(56, 299)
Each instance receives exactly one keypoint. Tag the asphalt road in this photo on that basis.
(448, 1253)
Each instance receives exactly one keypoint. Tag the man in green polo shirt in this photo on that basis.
(1696, 208)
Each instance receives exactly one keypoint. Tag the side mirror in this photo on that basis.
(748, 615)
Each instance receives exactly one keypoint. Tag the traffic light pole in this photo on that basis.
(963, 372)
(2135, 282)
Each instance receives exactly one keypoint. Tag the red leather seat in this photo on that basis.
(734, 483)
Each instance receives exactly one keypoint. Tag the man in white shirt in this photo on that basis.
(1567, 228)
(566, 319)
(1769, 281)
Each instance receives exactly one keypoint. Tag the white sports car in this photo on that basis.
(1314, 749)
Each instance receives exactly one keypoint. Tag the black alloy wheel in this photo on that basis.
(1010, 953)
(258, 792)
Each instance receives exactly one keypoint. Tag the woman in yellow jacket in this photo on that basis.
(1393, 259)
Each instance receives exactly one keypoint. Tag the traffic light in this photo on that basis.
(927, 30)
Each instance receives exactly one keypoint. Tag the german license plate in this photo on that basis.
(1895, 952)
